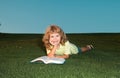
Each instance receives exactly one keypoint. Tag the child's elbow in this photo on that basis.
(67, 56)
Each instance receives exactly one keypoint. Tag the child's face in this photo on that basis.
(55, 39)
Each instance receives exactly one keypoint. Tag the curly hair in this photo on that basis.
(53, 29)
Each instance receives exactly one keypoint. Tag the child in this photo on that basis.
(57, 44)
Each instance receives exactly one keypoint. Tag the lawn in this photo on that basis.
(17, 50)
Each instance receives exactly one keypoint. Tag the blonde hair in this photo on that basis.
(53, 29)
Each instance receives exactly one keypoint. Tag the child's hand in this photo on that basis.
(55, 46)
(51, 56)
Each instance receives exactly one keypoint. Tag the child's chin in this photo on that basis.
(54, 44)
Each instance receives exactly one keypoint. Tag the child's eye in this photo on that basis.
(57, 35)
(51, 36)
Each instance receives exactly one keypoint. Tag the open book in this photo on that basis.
(49, 60)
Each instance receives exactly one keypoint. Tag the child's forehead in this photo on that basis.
(55, 33)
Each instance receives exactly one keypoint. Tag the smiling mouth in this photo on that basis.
(54, 41)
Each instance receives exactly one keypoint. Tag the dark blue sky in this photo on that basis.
(73, 16)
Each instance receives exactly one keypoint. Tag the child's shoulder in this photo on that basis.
(67, 42)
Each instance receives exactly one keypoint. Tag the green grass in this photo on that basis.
(16, 52)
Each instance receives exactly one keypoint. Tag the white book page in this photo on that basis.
(48, 60)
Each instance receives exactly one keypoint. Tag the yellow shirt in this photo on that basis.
(68, 49)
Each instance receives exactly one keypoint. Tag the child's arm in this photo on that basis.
(62, 56)
(52, 52)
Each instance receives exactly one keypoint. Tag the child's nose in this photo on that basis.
(54, 38)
